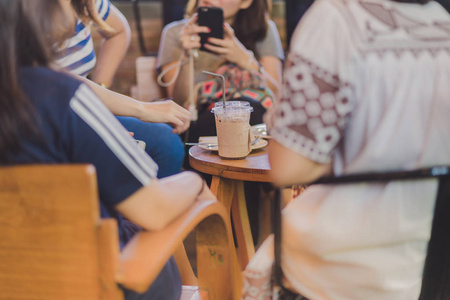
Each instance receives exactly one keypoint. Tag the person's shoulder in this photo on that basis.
(41, 75)
(272, 30)
(271, 44)
(328, 12)
(181, 22)
(330, 6)
(42, 83)
(103, 8)
(175, 25)
(444, 3)
(438, 9)
(271, 26)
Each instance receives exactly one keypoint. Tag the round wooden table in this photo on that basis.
(228, 176)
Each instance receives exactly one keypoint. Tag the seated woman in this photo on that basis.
(251, 48)
(365, 90)
(77, 56)
(50, 117)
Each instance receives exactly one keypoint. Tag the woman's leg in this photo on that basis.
(164, 147)
(167, 150)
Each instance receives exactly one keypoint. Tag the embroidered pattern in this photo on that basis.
(313, 110)
(389, 30)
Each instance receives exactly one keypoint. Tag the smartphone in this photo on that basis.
(211, 17)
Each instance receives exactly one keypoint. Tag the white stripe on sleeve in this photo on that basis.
(114, 124)
(113, 134)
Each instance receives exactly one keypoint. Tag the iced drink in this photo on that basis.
(233, 128)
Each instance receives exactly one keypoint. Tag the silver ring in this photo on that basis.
(192, 38)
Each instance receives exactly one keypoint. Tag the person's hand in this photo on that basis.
(166, 111)
(229, 48)
(189, 34)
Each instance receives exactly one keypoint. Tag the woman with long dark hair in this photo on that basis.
(250, 55)
(50, 117)
(251, 40)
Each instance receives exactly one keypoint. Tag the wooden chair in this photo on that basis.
(436, 274)
(53, 244)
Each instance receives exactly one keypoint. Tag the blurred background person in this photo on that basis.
(251, 49)
(365, 90)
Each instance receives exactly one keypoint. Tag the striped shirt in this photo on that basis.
(77, 54)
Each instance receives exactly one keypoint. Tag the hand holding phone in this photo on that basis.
(211, 17)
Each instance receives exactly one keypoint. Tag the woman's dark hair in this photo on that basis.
(250, 25)
(27, 37)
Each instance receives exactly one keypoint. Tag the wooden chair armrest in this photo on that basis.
(145, 255)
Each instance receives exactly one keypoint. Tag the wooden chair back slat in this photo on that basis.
(48, 240)
(53, 244)
(108, 246)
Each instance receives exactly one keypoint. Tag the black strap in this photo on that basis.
(436, 274)
(437, 171)
(276, 229)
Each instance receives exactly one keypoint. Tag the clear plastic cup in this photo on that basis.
(233, 128)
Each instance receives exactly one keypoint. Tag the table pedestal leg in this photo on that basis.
(231, 193)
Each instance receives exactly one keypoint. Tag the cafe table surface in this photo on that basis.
(228, 176)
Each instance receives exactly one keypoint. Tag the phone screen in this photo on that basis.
(211, 17)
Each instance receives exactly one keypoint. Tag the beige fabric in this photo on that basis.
(366, 87)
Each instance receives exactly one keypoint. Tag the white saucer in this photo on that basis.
(213, 140)
(260, 129)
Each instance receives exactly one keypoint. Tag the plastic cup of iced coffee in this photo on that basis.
(233, 128)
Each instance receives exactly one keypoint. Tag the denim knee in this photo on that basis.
(163, 146)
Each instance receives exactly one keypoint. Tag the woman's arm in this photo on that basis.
(113, 48)
(165, 111)
(273, 66)
(156, 205)
(289, 167)
(190, 40)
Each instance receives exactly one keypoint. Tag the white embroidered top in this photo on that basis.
(366, 87)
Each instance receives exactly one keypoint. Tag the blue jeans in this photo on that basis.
(167, 150)
(163, 146)
(167, 286)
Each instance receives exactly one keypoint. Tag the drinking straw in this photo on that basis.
(223, 86)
